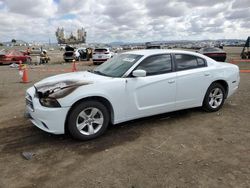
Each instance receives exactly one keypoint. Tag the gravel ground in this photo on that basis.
(188, 148)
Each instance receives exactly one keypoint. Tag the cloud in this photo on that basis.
(162, 8)
(38, 8)
(243, 13)
(204, 3)
(240, 4)
(129, 21)
(74, 6)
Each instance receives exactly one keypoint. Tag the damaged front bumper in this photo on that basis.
(51, 120)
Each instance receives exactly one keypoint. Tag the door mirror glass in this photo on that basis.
(139, 73)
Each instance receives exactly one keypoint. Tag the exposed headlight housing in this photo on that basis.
(48, 93)
(49, 102)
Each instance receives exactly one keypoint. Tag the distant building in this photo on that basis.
(15, 43)
(80, 38)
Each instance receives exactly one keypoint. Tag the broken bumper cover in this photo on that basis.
(51, 120)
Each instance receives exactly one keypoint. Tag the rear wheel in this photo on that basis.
(88, 120)
(214, 98)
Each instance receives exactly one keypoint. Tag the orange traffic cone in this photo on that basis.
(74, 66)
(25, 76)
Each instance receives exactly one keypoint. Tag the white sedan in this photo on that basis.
(128, 86)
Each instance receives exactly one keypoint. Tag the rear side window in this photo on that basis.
(201, 62)
(157, 64)
(185, 61)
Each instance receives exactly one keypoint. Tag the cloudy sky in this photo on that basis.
(128, 21)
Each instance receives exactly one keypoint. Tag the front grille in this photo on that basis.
(29, 103)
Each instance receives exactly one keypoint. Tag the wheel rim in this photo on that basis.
(215, 97)
(89, 121)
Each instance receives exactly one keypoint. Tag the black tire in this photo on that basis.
(209, 107)
(74, 118)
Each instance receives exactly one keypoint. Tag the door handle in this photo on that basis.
(171, 81)
(207, 74)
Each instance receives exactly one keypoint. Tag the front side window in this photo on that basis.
(157, 64)
(185, 61)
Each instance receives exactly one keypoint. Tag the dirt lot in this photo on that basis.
(187, 148)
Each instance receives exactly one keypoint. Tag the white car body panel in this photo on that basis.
(132, 97)
(191, 87)
(41, 115)
(148, 96)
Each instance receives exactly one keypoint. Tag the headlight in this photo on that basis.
(49, 102)
(48, 93)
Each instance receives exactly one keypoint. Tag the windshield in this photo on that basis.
(118, 65)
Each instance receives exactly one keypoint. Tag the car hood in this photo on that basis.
(70, 81)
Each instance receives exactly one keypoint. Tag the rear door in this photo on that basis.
(193, 79)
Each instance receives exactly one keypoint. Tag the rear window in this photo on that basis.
(153, 47)
(212, 50)
(101, 50)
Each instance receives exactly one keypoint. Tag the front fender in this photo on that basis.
(113, 92)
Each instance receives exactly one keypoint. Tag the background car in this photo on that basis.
(69, 54)
(80, 54)
(215, 53)
(154, 47)
(101, 55)
(128, 86)
(13, 56)
(35, 50)
(44, 58)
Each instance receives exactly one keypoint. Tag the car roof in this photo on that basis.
(211, 49)
(149, 52)
(104, 48)
(13, 52)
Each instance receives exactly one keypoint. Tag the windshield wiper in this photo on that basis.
(98, 72)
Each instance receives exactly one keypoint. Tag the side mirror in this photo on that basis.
(139, 73)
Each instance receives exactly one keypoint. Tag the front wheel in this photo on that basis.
(88, 120)
(214, 98)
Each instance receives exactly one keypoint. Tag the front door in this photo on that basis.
(154, 93)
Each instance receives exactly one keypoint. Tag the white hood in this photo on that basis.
(73, 76)
(71, 81)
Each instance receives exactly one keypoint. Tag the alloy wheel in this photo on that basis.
(215, 97)
(90, 121)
